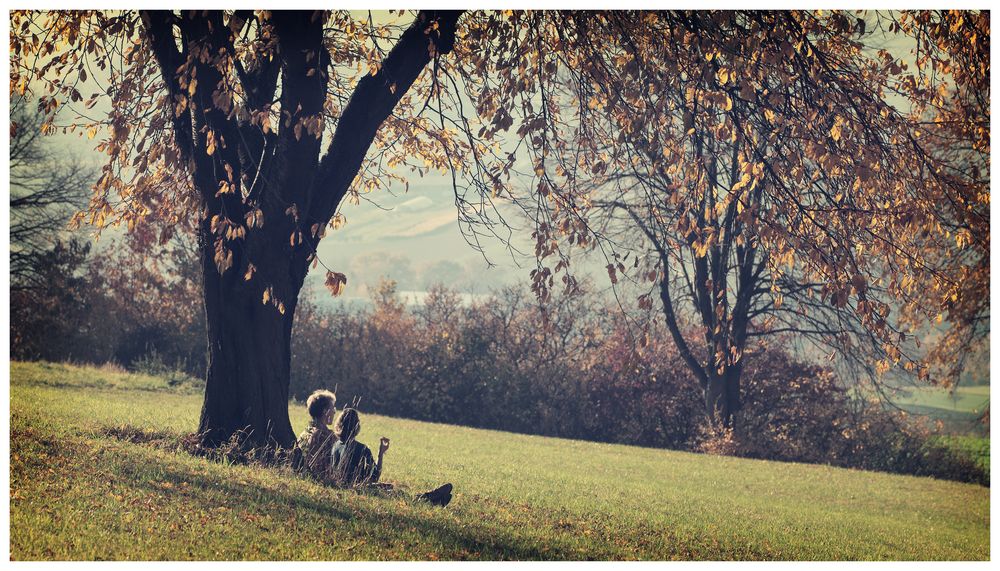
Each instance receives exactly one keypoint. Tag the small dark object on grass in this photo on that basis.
(438, 496)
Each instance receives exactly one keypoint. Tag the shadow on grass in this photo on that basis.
(467, 537)
(375, 520)
(136, 435)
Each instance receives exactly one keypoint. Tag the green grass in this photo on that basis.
(959, 410)
(976, 447)
(963, 399)
(78, 493)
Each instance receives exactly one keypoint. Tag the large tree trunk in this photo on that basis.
(249, 354)
(732, 395)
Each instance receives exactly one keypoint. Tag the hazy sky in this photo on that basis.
(412, 237)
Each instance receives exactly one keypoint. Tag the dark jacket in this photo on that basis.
(353, 463)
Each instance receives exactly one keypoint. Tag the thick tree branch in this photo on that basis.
(432, 33)
(160, 31)
(304, 63)
(216, 137)
(260, 78)
(669, 314)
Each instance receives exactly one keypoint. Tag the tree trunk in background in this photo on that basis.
(721, 391)
(722, 395)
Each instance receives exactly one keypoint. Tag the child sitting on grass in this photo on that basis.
(354, 465)
(352, 461)
(315, 444)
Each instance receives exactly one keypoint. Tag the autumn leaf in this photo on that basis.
(723, 75)
(335, 282)
(612, 273)
(338, 221)
(835, 132)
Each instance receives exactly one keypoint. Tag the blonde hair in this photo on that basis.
(319, 402)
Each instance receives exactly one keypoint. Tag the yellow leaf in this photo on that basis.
(835, 132)
(338, 221)
(723, 75)
(744, 180)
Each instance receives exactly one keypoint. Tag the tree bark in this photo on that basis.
(722, 395)
(249, 354)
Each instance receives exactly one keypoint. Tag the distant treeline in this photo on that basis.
(570, 367)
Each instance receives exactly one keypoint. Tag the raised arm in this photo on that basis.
(383, 445)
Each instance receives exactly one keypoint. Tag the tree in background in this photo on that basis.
(751, 167)
(48, 298)
(950, 91)
(46, 189)
(151, 292)
(50, 320)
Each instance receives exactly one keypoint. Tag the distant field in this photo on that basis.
(79, 493)
(959, 410)
(966, 399)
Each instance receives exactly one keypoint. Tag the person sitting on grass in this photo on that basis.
(315, 444)
(353, 463)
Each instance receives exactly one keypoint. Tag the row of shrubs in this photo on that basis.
(569, 369)
(565, 368)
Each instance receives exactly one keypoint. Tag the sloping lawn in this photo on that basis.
(96, 474)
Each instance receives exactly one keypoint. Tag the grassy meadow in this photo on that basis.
(959, 410)
(96, 474)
